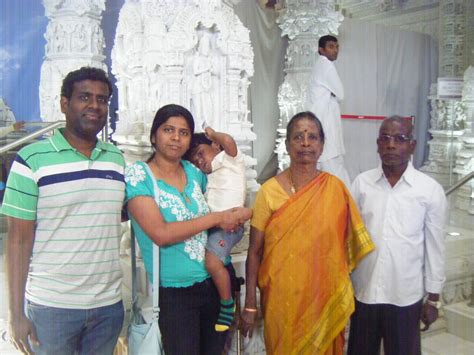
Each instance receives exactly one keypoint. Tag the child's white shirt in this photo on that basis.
(226, 184)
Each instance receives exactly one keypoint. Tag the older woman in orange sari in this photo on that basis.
(306, 236)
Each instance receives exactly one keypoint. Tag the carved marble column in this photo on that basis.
(465, 156)
(303, 23)
(453, 18)
(74, 39)
(446, 126)
(447, 117)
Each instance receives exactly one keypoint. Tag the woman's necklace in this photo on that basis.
(183, 180)
(292, 185)
(185, 196)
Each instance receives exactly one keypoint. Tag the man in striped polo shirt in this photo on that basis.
(63, 201)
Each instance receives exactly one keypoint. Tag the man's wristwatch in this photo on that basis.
(435, 304)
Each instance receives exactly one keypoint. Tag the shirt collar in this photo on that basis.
(408, 175)
(60, 143)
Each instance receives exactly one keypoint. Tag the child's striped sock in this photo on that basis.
(226, 315)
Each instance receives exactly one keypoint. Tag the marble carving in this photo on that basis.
(195, 53)
(74, 39)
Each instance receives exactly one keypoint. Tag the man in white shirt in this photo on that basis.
(399, 283)
(324, 92)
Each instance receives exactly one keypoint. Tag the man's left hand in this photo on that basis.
(429, 314)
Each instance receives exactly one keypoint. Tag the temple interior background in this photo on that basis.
(409, 57)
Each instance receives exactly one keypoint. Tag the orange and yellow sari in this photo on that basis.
(311, 244)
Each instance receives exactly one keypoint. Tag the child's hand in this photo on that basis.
(233, 218)
(244, 213)
(209, 133)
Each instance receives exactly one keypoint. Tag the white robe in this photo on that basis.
(324, 80)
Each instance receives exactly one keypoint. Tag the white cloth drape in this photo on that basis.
(269, 50)
(385, 71)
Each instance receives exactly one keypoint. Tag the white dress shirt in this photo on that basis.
(406, 223)
(226, 184)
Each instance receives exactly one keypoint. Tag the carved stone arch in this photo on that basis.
(190, 19)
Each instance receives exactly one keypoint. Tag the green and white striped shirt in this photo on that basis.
(76, 202)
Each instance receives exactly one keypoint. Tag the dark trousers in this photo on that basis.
(188, 316)
(399, 327)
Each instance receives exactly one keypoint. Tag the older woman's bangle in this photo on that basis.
(250, 309)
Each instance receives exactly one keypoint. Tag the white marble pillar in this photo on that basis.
(304, 23)
(447, 117)
(453, 20)
(446, 127)
(74, 39)
(465, 156)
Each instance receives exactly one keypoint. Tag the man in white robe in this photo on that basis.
(325, 90)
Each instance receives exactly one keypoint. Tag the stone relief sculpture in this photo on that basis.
(243, 93)
(195, 53)
(127, 66)
(465, 156)
(74, 39)
(205, 70)
(447, 123)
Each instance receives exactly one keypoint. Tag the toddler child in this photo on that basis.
(216, 155)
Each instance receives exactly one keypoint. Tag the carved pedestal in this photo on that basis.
(441, 160)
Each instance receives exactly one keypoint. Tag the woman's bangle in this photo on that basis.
(248, 309)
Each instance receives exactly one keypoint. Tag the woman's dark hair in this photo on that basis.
(304, 115)
(163, 114)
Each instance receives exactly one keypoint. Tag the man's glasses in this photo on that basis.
(398, 139)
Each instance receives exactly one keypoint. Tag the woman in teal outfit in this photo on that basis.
(189, 303)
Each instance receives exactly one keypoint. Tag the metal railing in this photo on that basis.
(31, 136)
(460, 183)
(450, 190)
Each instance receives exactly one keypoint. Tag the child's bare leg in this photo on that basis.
(215, 267)
(221, 279)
